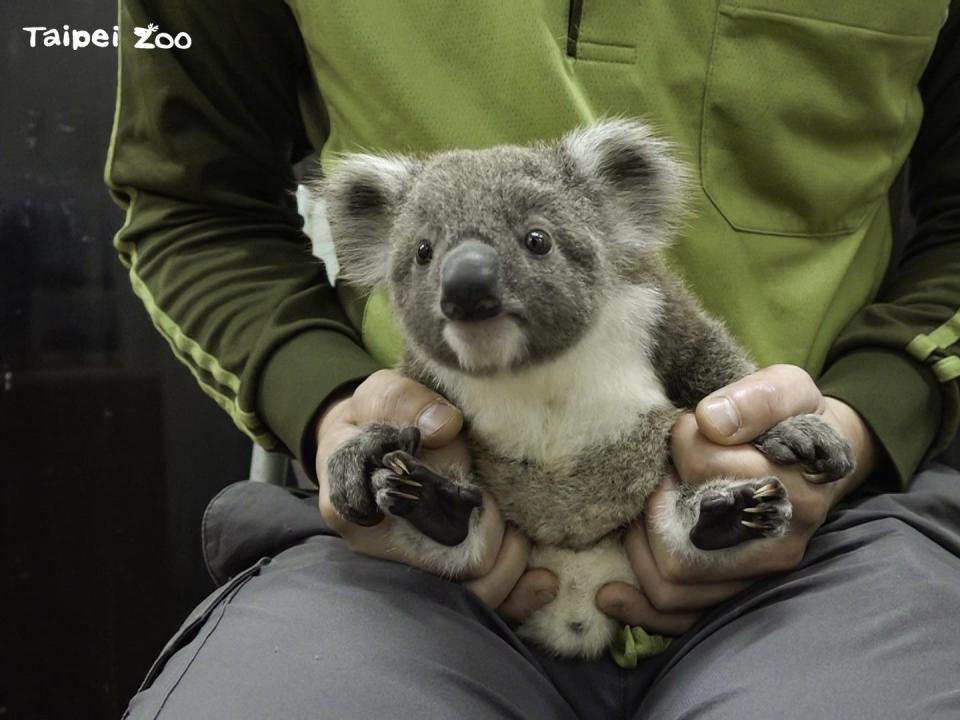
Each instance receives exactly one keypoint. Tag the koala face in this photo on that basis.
(500, 258)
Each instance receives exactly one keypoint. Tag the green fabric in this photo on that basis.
(947, 370)
(380, 332)
(861, 379)
(794, 116)
(923, 346)
(635, 644)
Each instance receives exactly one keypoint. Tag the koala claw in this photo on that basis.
(437, 507)
(351, 465)
(809, 441)
(768, 490)
(732, 514)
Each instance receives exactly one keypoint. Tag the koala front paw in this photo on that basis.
(437, 507)
(732, 513)
(810, 441)
(351, 468)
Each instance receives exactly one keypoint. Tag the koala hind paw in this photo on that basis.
(810, 441)
(436, 506)
(351, 468)
(732, 513)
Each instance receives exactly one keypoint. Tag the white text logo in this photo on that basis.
(147, 38)
(164, 41)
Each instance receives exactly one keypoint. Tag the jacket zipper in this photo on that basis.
(573, 26)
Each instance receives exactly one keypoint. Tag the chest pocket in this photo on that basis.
(808, 117)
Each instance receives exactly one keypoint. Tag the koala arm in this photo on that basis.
(694, 354)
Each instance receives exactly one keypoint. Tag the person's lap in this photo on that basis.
(866, 627)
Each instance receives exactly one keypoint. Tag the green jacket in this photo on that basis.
(795, 116)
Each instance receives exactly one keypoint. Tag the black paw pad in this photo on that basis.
(730, 515)
(437, 507)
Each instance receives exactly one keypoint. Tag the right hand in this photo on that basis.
(501, 579)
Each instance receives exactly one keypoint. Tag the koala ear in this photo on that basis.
(362, 195)
(635, 169)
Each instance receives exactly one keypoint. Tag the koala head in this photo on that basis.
(501, 258)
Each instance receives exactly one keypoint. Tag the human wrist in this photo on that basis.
(901, 402)
(332, 408)
(863, 443)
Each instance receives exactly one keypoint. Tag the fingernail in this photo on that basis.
(723, 415)
(434, 417)
(545, 596)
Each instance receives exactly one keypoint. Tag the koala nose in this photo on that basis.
(469, 282)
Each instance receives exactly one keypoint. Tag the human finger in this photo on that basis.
(629, 605)
(741, 411)
(535, 588)
(388, 396)
(511, 561)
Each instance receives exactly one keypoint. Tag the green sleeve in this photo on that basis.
(898, 362)
(201, 158)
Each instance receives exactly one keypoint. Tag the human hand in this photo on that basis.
(501, 578)
(714, 442)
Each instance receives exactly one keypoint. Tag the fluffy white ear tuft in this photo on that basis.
(362, 194)
(638, 170)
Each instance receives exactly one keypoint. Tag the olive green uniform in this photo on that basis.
(795, 117)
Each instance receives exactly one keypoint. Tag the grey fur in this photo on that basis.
(603, 490)
(607, 196)
(799, 440)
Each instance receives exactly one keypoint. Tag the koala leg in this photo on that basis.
(376, 473)
(810, 441)
(730, 513)
(710, 524)
(351, 465)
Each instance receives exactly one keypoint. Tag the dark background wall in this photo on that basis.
(108, 451)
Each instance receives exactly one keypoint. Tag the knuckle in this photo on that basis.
(769, 399)
(662, 597)
(793, 374)
(697, 467)
(393, 391)
(673, 570)
(796, 381)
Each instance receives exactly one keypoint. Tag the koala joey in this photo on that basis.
(528, 286)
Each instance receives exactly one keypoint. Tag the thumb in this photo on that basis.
(439, 422)
(388, 396)
(741, 411)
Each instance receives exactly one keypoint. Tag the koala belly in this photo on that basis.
(575, 501)
(562, 506)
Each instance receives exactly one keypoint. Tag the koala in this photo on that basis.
(529, 287)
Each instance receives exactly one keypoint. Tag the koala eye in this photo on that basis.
(424, 252)
(538, 242)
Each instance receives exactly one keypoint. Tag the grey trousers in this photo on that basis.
(868, 627)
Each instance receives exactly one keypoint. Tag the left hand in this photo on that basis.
(714, 442)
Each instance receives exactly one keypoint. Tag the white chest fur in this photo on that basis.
(588, 395)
